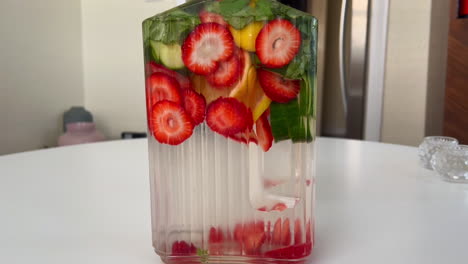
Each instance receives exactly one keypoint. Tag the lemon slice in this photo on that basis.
(258, 101)
(240, 88)
(245, 37)
(201, 85)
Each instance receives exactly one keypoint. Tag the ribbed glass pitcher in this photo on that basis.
(231, 99)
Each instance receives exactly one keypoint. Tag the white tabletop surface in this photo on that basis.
(89, 204)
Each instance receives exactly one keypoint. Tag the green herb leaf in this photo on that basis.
(239, 13)
(230, 7)
(172, 27)
(263, 8)
(241, 19)
(295, 120)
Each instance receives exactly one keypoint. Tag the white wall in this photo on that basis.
(404, 110)
(113, 62)
(40, 70)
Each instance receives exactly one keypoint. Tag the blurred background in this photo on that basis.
(382, 68)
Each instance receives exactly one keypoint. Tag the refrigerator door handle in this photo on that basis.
(341, 55)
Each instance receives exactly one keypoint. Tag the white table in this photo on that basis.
(89, 204)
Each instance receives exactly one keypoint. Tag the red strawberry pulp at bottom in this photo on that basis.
(291, 252)
(182, 248)
(253, 239)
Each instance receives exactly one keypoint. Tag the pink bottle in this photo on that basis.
(79, 133)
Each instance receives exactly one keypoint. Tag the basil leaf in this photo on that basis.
(230, 7)
(263, 8)
(172, 27)
(239, 22)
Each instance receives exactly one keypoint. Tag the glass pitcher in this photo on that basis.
(231, 106)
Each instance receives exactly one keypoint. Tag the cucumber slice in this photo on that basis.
(171, 56)
(155, 48)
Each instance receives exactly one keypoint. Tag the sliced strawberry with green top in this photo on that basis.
(277, 43)
(205, 46)
(227, 73)
(264, 134)
(170, 123)
(153, 67)
(195, 106)
(228, 116)
(207, 17)
(163, 87)
(276, 87)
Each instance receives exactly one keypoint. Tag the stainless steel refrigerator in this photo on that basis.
(351, 63)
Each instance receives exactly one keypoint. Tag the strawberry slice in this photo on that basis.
(227, 73)
(216, 235)
(207, 17)
(253, 242)
(252, 137)
(291, 252)
(182, 248)
(268, 231)
(281, 233)
(286, 232)
(276, 238)
(245, 137)
(297, 232)
(195, 105)
(153, 67)
(215, 241)
(170, 123)
(279, 207)
(277, 43)
(239, 137)
(163, 87)
(264, 134)
(228, 116)
(276, 87)
(205, 46)
(251, 235)
(308, 232)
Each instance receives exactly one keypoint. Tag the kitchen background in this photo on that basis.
(56, 54)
